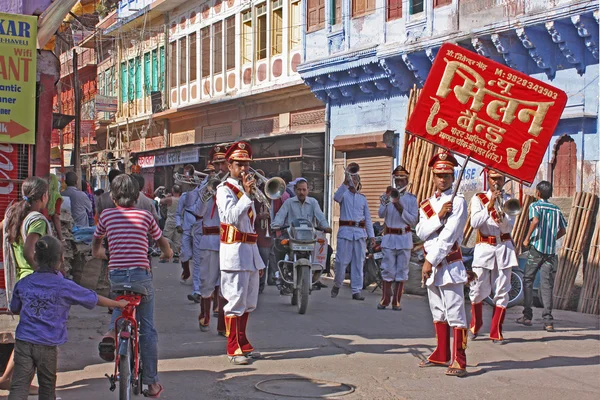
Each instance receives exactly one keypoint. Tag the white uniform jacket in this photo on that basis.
(353, 207)
(210, 219)
(234, 211)
(393, 219)
(441, 237)
(486, 255)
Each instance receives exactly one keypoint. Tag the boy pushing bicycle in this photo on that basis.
(126, 229)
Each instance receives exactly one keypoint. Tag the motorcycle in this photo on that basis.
(304, 261)
(516, 293)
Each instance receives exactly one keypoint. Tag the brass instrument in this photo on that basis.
(511, 207)
(352, 170)
(394, 194)
(195, 180)
(210, 188)
(274, 188)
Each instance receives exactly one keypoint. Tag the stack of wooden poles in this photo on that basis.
(521, 224)
(589, 299)
(574, 244)
(415, 157)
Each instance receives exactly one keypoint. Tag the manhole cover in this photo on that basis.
(304, 387)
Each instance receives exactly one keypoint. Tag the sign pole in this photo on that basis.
(77, 130)
(460, 175)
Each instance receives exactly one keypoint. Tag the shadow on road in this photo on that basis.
(190, 384)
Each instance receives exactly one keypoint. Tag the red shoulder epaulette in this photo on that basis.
(427, 208)
(485, 201)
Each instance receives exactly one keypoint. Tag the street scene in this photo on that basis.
(255, 199)
(339, 341)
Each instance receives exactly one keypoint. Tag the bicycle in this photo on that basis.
(128, 363)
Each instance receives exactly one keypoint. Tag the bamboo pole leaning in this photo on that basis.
(521, 224)
(571, 253)
(589, 300)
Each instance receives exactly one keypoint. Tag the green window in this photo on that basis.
(147, 74)
(131, 86)
(138, 78)
(124, 82)
(161, 77)
(154, 71)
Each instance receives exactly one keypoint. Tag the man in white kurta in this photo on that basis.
(400, 215)
(441, 224)
(493, 258)
(355, 227)
(239, 258)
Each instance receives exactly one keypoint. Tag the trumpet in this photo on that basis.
(352, 170)
(274, 188)
(510, 207)
(394, 194)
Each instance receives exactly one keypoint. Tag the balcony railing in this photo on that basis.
(85, 57)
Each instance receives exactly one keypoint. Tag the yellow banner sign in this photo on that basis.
(18, 36)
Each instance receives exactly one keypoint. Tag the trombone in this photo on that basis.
(274, 188)
(195, 180)
(210, 188)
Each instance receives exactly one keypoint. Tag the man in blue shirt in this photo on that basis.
(547, 225)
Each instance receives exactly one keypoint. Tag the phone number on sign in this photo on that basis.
(531, 85)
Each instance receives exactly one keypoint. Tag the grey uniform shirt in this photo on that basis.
(80, 206)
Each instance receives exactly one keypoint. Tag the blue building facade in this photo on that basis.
(363, 57)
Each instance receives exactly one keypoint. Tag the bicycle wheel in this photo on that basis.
(125, 371)
(137, 385)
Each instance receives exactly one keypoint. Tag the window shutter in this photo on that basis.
(394, 9)
(370, 5)
(338, 11)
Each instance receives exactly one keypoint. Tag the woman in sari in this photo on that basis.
(23, 225)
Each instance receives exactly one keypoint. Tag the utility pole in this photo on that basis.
(77, 133)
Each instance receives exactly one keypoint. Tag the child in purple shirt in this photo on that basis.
(43, 299)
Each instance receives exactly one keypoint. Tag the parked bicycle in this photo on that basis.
(128, 362)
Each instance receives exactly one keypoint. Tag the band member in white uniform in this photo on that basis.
(355, 227)
(240, 260)
(441, 226)
(400, 214)
(494, 256)
(209, 249)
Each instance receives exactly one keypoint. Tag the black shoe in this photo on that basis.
(380, 307)
(316, 287)
(498, 341)
(195, 298)
(357, 296)
(472, 335)
(320, 284)
(335, 291)
(261, 289)
(549, 327)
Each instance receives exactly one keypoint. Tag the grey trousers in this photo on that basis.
(28, 358)
(547, 265)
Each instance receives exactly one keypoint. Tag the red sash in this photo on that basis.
(239, 195)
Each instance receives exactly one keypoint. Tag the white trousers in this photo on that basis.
(187, 243)
(447, 303)
(350, 252)
(209, 272)
(491, 280)
(394, 265)
(196, 237)
(240, 289)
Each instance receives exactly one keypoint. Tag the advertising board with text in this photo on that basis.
(18, 37)
(478, 108)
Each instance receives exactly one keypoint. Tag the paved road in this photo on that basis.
(341, 340)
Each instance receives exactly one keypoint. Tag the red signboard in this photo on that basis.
(479, 108)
